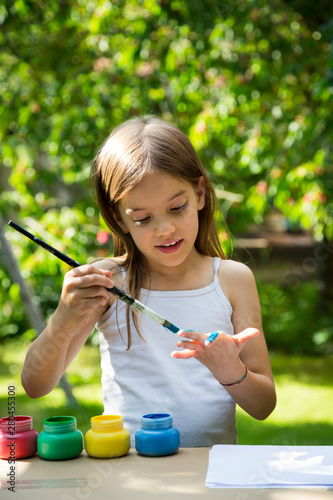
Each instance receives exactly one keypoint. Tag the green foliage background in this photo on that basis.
(249, 81)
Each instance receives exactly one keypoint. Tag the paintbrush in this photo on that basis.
(114, 290)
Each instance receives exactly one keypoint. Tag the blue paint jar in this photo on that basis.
(157, 437)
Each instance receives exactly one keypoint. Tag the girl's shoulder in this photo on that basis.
(234, 276)
(229, 266)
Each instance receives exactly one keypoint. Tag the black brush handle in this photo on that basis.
(71, 262)
(125, 297)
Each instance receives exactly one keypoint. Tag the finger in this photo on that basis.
(97, 301)
(89, 269)
(247, 334)
(86, 269)
(92, 292)
(95, 280)
(187, 354)
(194, 335)
(106, 273)
(89, 279)
(189, 344)
(210, 339)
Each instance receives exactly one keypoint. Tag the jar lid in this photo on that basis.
(18, 423)
(106, 422)
(61, 423)
(156, 421)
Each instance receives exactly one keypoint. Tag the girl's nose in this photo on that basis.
(164, 226)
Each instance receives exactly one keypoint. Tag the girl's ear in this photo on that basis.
(201, 192)
(119, 221)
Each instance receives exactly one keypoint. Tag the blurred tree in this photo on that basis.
(316, 14)
(250, 82)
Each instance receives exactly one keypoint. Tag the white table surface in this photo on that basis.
(176, 477)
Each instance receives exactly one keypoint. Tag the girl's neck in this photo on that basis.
(192, 274)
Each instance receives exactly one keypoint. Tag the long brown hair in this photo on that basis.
(133, 148)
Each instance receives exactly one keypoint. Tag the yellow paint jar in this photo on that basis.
(107, 437)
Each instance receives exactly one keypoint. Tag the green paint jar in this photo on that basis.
(60, 439)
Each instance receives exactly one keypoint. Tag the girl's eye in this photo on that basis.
(141, 221)
(179, 209)
(145, 220)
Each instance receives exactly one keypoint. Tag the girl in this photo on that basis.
(155, 197)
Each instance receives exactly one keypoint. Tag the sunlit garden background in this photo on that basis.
(251, 83)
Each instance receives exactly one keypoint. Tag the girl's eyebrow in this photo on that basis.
(172, 197)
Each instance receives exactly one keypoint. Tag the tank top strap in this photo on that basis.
(217, 262)
(217, 286)
(123, 270)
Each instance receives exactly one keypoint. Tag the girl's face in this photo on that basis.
(161, 214)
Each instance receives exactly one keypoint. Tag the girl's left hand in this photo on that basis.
(222, 356)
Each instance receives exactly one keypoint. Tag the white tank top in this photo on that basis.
(145, 379)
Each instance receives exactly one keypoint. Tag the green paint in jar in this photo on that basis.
(60, 439)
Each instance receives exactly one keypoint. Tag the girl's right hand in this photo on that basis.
(84, 296)
(83, 299)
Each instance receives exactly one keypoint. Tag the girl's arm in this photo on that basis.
(229, 356)
(83, 299)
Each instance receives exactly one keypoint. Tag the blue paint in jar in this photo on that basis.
(157, 437)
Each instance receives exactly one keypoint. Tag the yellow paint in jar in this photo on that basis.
(107, 437)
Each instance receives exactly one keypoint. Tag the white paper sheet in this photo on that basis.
(245, 466)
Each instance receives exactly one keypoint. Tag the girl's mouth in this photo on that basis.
(171, 246)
